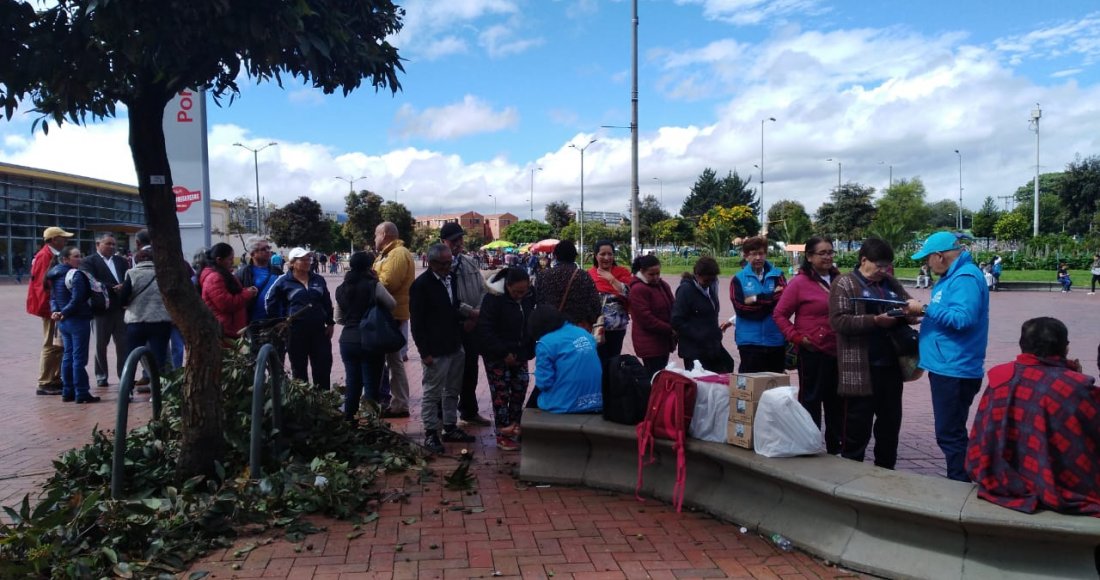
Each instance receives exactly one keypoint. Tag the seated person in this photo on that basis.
(567, 369)
(1035, 443)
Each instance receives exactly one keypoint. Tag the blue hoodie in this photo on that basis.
(568, 372)
(955, 328)
(755, 325)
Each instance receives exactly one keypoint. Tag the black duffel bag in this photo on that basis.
(627, 391)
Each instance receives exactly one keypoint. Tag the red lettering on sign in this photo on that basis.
(183, 116)
(185, 197)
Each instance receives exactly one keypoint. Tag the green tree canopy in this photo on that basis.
(558, 215)
(944, 214)
(710, 191)
(1052, 214)
(789, 222)
(1081, 191)
(650, 211)
(901, 209)
(526, 232)
(364, 210)
(676, 230)
(847, 213)
(986, 219)
(299, 223)
(1012, 227)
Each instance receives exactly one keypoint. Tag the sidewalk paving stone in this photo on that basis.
(525, 530)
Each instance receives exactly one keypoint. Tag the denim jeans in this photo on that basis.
(156, 334)
(364, 375)
(951, 398)
(76, 333)
(177, 348)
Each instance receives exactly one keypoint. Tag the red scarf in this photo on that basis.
(603, 286)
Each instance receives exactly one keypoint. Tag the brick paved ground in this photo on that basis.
(542, 532)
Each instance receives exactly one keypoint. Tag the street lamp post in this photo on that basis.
(580, 222)
(763, 220)
(662, 185)
(1035, 116)
(351, 182)
(838, 169)
(256, 168)
(395, 192)
(494, 202)
(532, 199)
(960, 189)
(891, 171)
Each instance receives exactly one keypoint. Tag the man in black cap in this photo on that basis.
(470, 289)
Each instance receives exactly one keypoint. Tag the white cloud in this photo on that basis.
(433, 29)
(1080, 37)
(442, 47)
(306, 96)
(499, 41)
(470, 117)
(748, 12)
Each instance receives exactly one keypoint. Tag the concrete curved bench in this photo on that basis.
(890, 523)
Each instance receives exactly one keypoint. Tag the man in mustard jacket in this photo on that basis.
(396, 270)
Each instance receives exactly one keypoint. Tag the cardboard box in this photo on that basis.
(750, 386)
(742, 410)
(739, 434)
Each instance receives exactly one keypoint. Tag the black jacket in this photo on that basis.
(95, 265)
(434, 320)
(502, 326)
(695, 319)
(354, 301)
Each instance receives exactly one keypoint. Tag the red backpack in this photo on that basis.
(668, 414)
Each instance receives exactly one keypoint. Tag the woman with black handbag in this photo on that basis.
(355, 297)
(865, 313)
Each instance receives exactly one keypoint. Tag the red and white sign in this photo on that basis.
(185, 139)
(185, 197)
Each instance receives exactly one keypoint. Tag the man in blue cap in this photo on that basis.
(953, 338)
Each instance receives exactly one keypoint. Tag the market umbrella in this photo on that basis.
(543, 246)
(498, 244)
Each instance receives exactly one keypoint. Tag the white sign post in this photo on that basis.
(185, 140)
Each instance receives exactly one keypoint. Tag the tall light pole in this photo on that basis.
(891, 171)
(395, 192)
(635, 249)
(532, 199)
(581, 220)
(763, 219)
(351, 182)
(960, 189)
(1035, 115)
(494, 202)
(256, 168)
(662, 184)
(838, 169)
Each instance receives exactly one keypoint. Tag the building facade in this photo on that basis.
(32, 200)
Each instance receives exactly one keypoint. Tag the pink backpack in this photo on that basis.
(668, 414)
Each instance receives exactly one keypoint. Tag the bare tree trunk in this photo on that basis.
(203, 443)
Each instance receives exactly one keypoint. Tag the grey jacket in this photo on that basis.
(141, 296)
(471, 284)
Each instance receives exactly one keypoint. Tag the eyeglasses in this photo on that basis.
(264, 249)
(825, 253)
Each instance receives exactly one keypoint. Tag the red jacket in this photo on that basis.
(38, 297)
(808, 300)
(231, 310)
(651, 312)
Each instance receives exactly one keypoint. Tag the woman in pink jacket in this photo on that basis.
(807, 300)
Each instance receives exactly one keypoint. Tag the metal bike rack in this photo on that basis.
(118, 459)
(267, 363)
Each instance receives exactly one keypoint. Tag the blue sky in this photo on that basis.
(496, 88)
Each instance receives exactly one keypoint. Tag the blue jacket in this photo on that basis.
(287, 296)
(755, 325)
(955, 328)
(568, 372)
(70, 303)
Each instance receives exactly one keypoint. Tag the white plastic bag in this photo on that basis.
(783, 428)
(711, 413)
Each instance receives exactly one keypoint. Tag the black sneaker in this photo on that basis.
(48, 391)
(388, 414)
(67, 398)
(433, 444)
(87, 399)
(456, 435)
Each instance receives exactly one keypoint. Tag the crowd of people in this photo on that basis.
(852, 334)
